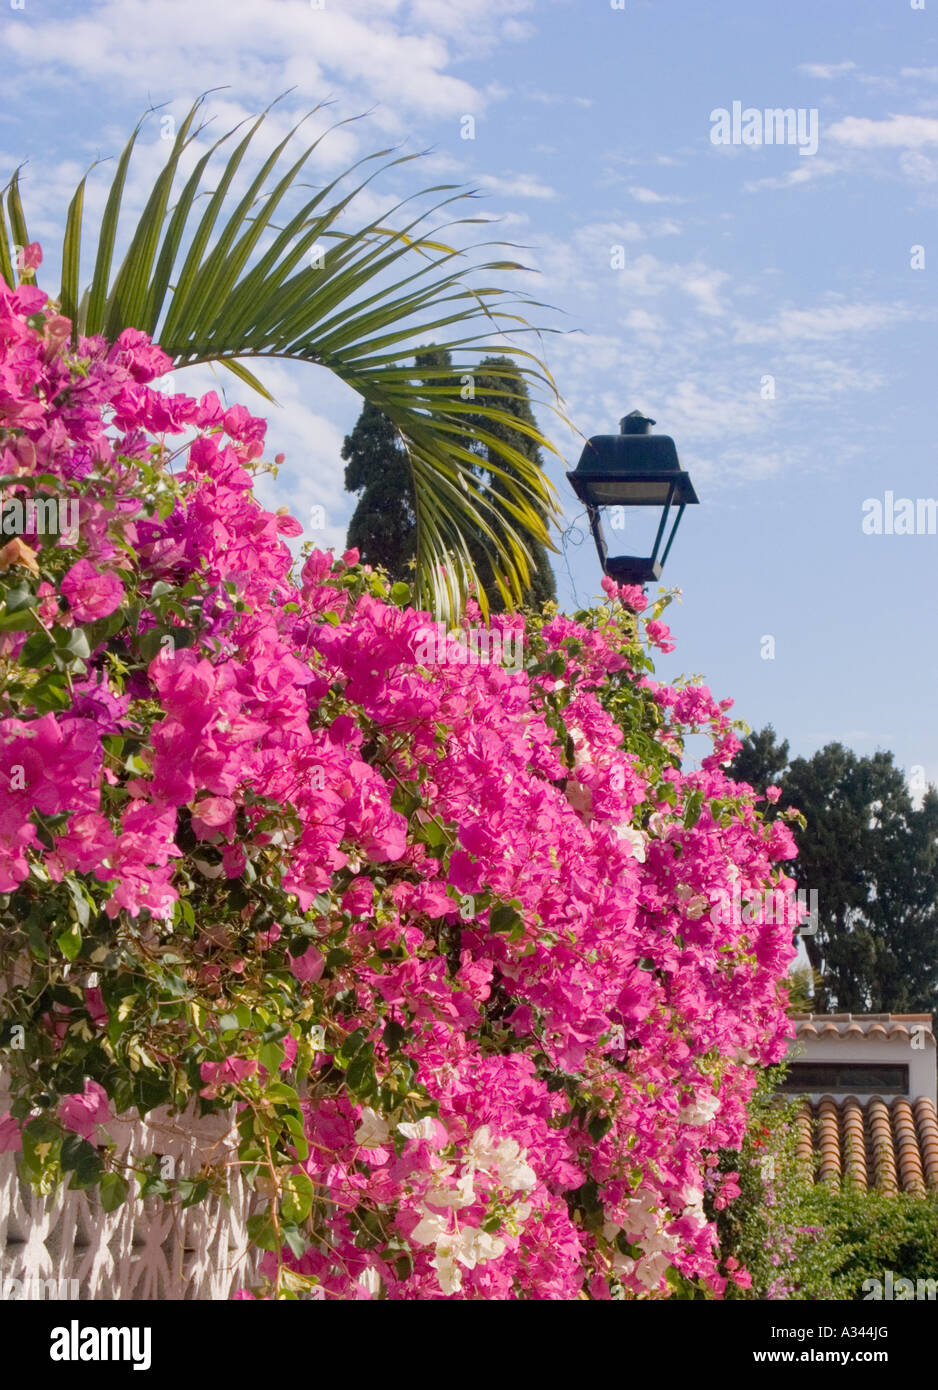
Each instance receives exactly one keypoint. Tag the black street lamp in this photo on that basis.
(632, 469)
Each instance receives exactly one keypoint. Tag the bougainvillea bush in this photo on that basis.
(436, 932)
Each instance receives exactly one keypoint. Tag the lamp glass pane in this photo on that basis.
(629, 493)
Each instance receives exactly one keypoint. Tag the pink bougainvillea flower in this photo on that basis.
(82, 1110)
(231, 1071)
(659, 635)
(358, 897)
(10, 1138)
(213, 815)
(309, 966)
(91, 593)
(29, 257)
(505, 875)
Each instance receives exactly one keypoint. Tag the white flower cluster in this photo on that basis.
(504, 1163)
(700, 1111)
(463, 1247)
(643, 1227)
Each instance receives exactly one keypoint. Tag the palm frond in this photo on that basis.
(219, 278)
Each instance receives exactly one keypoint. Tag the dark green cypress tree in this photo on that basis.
(487, 385)
(383, 527)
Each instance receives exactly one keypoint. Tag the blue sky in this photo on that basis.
(592, 131)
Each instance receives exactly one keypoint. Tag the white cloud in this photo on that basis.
(515, 185)
(804, 173)
(918, 167)
(516, 30)
(476, 31)
(642, 322)
(648, 195)
(863, 132)
(827, 70)
(824, 321)
(704, 286)
(709, 412)
(129, 46)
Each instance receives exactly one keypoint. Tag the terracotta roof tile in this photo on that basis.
(927, 1126)
(891, 1145)
(858, 1025)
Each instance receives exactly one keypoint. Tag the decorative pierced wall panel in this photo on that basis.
(67, 1247)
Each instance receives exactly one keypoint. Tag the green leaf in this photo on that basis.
(296, 1240)
(113, 1191)
(239, 370)
(71, 257)
(261, 1232)
(79, 902)
(271, 1056)
(279, 1091)
(77, 644)
(20, 597)
(82, 1160)
(6, 262)
(360, 1076)
(69, 943)
(36, 650)
(20, 620)
(15, 209)
(393, 1035)
(294, 1124)
(192, 1190)
(504, 918)
(296, 1199)
(352, 1043)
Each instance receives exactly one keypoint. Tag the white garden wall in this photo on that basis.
(67, 1247)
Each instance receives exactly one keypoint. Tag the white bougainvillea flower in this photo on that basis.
(472, 1246)
(370, 1282)
(462, 1195)
(372, 1132)
(432, 1228)
(506, 1161)
(448, 1273)
(513, 1171)
(701, 1111)
(634, 838)
(418, 1129)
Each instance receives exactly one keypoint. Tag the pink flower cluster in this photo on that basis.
(521, 893)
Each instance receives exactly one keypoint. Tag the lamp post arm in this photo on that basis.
(677, 522)
(596, 527)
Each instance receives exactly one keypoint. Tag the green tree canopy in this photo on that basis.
(872, 856)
